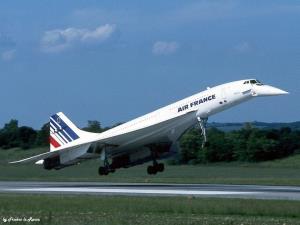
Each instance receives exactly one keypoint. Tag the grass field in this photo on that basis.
(81, 209)
(147, 210)
(280, 172)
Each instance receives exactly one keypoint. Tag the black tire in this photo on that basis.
(154, 170)
(149, 170)
(101, 171)
(160, 167)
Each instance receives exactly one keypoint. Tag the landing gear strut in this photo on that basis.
(106, 169)
(203, 123)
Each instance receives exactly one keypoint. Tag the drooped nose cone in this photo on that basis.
(266, 90)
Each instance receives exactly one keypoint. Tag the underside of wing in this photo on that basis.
(125, 147)
(36, 157)
(170, 129)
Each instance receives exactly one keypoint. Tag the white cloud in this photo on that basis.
(59, 40)
(243, 47)
(164, 48)
(8, 55)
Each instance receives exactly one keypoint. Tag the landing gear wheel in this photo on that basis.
(151, 170)
(160, 167)
(103, 171)
(106, 172)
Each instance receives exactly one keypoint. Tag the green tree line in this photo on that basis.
(247, 144)
(13, 136)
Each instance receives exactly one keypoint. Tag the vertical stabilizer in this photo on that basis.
(63, 131)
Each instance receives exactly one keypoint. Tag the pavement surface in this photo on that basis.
(145, 189)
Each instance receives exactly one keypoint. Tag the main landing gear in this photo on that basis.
(156, 167)
(203, 123)
(106, 169)
(153, 169)
(103, 170)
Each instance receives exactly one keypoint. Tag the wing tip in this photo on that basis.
(18, 161)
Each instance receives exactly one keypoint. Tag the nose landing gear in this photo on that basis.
(203, 123)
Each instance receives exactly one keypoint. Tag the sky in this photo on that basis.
(113, 61)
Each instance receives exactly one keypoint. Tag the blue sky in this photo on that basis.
(116, 60)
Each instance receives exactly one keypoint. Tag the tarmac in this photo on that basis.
(146, 189)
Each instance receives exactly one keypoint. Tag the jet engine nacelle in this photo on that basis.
(51, 163)
(141, 156)
(128, 160)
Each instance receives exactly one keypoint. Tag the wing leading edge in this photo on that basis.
(37, 157)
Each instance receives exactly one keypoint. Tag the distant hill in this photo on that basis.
(260, 125)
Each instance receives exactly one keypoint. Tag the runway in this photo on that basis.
(145, 189)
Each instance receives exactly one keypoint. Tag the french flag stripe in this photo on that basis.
(72, 134)
(58, 139)
(53, 122)
(53, 142)
(52, 126)
(66, 135)
(67, 129)
(52, 130)
(56, 127)
(61, 137)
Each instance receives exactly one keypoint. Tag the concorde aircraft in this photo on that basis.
(151, 137)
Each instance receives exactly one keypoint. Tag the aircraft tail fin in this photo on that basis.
(63, 131)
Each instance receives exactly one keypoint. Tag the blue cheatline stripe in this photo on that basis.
(60, 140)
(65, 127)
(62, 137)
(57, 129)
(66, 136)
(53, 127)
(53, 124)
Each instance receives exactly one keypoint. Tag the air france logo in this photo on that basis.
(197, 102)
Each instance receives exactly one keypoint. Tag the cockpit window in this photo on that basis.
(257, 82)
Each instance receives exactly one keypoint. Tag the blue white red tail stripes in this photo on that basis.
(62, 131)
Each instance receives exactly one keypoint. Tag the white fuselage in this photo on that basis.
(154, 133)
(167, 124)
(205, 104)
(171, 121)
